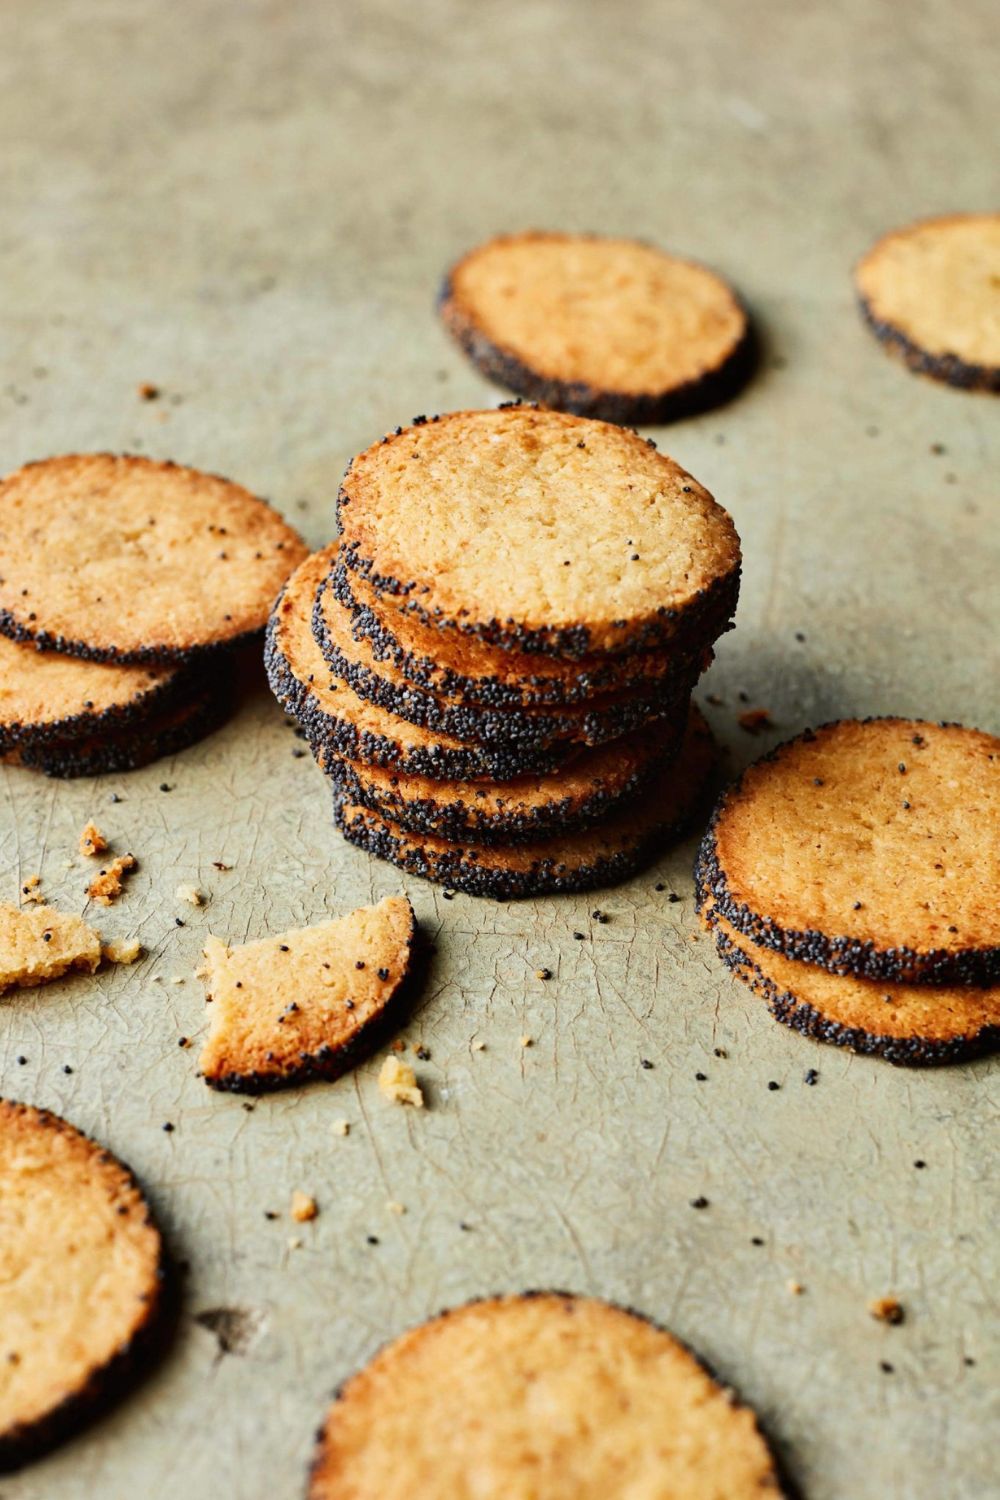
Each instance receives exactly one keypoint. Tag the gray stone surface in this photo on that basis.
(250, 205)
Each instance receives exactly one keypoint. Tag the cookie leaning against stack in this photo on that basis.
(851, 878)
(510, 729)
(123, 584)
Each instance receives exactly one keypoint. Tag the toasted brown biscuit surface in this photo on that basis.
(459, 667)
(913, 1024)
(39, 943)
(353, 659)
(544, 1394)
(591, 787)
(591, 857)
(305, 1004)
(338, 721)
(80, 1274)
(45, 695)
(609, 545)
(931, 293)
(869, 848)
(603, 327)
(120, 558)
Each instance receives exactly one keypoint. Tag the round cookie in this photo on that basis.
(867, 847)
(607, 545)
(46, 696)
(542, 1394)
(458, 667)
(122, 559)
(81, 1267)
(603, 327)
(591, 857)
(337, 722)
(931, 293)
(163, 732)
(594, 785)
(353, 660)
(911, 1024)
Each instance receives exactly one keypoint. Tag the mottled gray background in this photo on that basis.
(250, 205)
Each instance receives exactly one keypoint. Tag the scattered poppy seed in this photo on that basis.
(700, 1202)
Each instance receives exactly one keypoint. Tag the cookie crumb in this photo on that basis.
(341, 1127)
(31, 891)
(122, 951)
(478, 1045)
(755, 720)
(887, 1310)
(107, 884)
(147, 391)
(527, 1041)
(398, 1082)
(92, 841)
(303, 1207)
(795, 1288)
(294, 1242)
(190, 894)
(393, 1207)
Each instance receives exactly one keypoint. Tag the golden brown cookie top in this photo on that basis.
(537, 530)
(542, 1394)
(80, 1269)
(868, 846)
(122, 558)
(932, 289)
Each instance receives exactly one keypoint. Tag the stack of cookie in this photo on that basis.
(851, 879)
(124, 587)
(494, 663)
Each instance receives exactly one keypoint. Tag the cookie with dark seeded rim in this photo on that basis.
(541, 1393)
(458, 667)
(141, 741)
(337, 722)
(609, 546)
(602, 327)
(914, 1025)
(867, 847)
(351, 658)
(590, 788)
(306, 1004)
(46, 696)
(81, 1292)
(601, 855)
(931, 294)
(119, 558)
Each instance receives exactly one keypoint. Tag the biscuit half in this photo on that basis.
(603, 327)
(543, 1393)
(305, 1004)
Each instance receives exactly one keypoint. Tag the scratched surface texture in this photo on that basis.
(250, 205)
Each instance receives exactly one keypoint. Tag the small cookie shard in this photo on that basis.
(39, 943)
(909, 1024)
(305, 1004)
(122, 951)
(108, 884)
(426, 512)
(546, 1395)
(119, 558)
(92, 841)
(603, 327)
(80, 1277)
(398, 1082)
(931, 294)
(867, 848)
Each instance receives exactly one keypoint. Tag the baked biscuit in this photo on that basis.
(603, 327)
(543, 1394)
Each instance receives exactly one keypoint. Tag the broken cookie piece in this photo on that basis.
(308, 1003)
(108, 884)
(92, 841)
(39, 943)
(122, 951)
(398, 1082)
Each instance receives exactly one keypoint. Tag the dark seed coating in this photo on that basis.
(350, 660)
(596, 856)
(337, 722)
